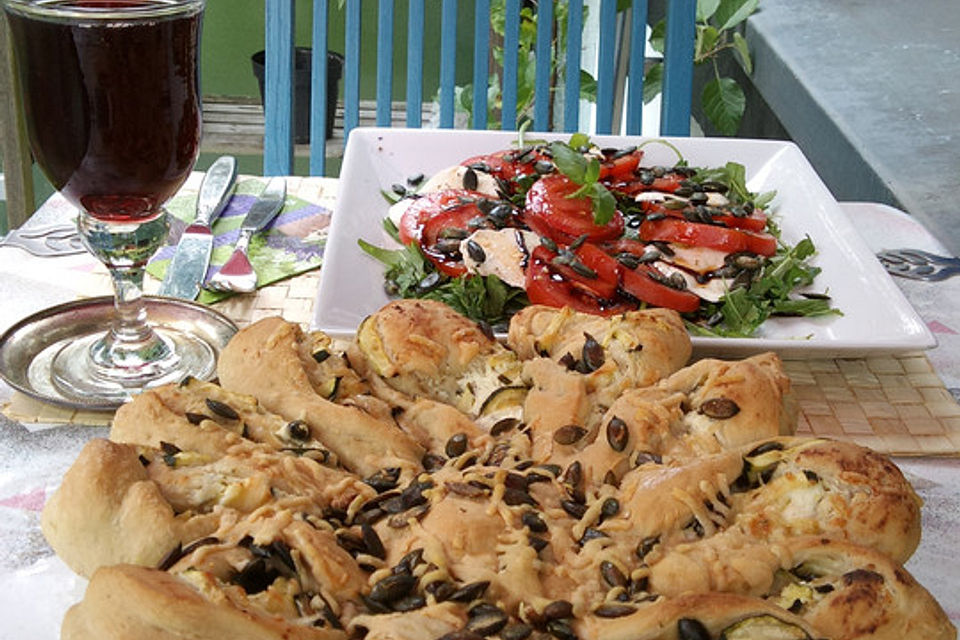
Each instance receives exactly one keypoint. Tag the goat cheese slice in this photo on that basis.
(712, 290)
(505, 253)
(453, 177)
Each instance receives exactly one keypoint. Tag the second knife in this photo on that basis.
(188, 268)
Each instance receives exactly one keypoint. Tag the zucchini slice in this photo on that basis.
(765, 627)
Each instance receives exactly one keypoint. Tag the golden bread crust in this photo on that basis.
(415, 488)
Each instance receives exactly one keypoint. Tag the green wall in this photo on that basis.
(233, 31)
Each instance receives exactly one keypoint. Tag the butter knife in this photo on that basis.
(188, 268)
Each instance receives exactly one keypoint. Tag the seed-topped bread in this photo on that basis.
(401, 504)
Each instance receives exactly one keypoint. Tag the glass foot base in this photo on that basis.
(76, 373)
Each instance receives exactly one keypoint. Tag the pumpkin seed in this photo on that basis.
(475, 251)
(461, 634)
(573, 481)
(486, 620)
(613, 610)
(470, 181)
(533, 521)
(591, 534)
(298, 430)
(610, 507)
(371, 540)
(410, 603)
(592, 353)
(517, 631)
(574, 509)
(612, 575)
(466, 490)
(502, 426)
(194, 418)
(432, 462)
(719, 408)
(221, 409)
(569, 434)
(611, 478)
(617, 434)
(538, 544)
(558, 609)
(470, 592)
(516, 497)
(691, 629)
(646, 546)
(384, 479)
(561, 630)
(392, 588)
(456, 446)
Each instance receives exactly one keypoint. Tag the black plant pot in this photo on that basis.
(301, 93)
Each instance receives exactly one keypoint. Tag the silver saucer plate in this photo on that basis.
(25, 347)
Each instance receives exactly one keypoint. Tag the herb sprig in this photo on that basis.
(586, 173)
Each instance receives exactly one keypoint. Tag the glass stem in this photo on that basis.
(131, 336)
(130, 345)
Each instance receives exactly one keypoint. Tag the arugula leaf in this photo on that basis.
(743, 309)
(409, 274)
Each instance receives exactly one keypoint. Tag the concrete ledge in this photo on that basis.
(871, 93)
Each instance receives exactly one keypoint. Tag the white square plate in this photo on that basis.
(876, 316)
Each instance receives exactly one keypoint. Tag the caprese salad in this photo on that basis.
(598, 230)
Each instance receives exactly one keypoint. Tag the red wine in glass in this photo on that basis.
(111, 98)
(114, 110)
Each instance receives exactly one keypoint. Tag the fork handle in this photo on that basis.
(243, 242)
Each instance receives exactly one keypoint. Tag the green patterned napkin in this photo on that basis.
(292, 244)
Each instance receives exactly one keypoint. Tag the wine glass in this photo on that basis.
(110, 92)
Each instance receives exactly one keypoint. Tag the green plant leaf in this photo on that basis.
(723, 103)
(743, 51)
(570, 163)
(604, 204)
(707, 39)
(706, 9)
(593, 171)
(658, 35)
(588, 86)
(578, 140)
(652, 82)
(730, 13)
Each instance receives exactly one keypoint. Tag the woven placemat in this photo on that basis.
(892, 404)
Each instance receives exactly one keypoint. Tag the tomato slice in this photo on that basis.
(632, 185)
(442, 233)
(428, 206)
(640, 284)
(546, 287)
(551, 212)
(621, 167)
(508, 164)
(708, 235)
(602, 274)
(755, 221)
